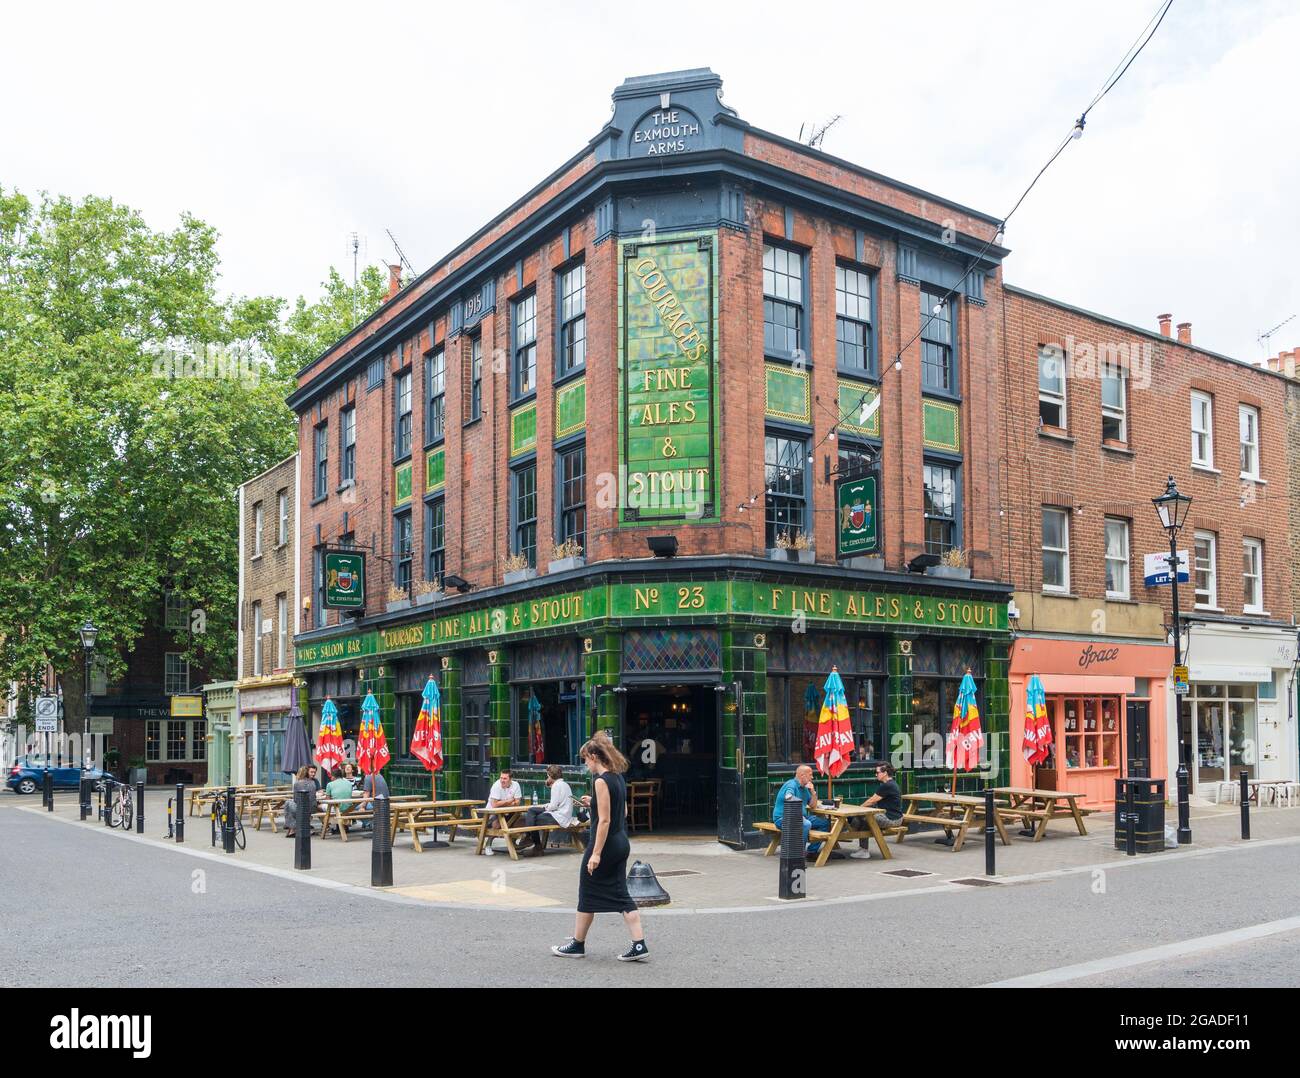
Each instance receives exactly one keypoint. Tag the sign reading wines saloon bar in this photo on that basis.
(667, 373)
(675, 600)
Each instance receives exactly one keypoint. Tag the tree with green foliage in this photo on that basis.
(133, 402)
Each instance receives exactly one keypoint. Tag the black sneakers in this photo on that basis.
(636, 953)
(573, 949)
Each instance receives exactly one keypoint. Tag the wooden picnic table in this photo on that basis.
(842, 831)
(342, 819)
(499, 822)
(417, 816)
(199, 794)
(952, 812)
(1043, 806)
(262, 805)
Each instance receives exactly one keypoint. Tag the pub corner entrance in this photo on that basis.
(671, 734)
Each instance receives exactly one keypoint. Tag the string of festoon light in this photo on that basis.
(868, 403)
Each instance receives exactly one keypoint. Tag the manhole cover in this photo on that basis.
(906, 873)
(975, 882)
(680, 872)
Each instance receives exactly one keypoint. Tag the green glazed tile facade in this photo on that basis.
(523, 429)
(851, 401)
(435, 470)
(787, 393)
(402, 484)
(941, 426)
(570, 408)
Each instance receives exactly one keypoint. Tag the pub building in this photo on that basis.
(637, 456)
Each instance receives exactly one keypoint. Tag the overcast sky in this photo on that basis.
(289, 127)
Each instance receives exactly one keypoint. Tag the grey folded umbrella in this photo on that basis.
(297, 749)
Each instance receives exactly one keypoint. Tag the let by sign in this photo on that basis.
(345, 580)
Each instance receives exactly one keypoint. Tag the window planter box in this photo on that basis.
(518, 576)
(866, 564)
(949, 572)
(802, 557)
(395, 605)
(427, 598)
(563, 565)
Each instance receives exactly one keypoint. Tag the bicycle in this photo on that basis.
(121, 809)
(218, 818)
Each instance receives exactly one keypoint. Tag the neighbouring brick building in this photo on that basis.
(686, 333)
(1098, 414)
(269, 597)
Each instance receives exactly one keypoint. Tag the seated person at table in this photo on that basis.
(888, 797)
(504, 793)
(353, 776)
(305, 779)
(558, 810)
(340, 790)
(374, 786)
(801, 786)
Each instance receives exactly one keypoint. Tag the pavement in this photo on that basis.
(94, 907)
(700, 874)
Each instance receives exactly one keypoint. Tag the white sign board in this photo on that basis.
(47, 714)
(1155, 569)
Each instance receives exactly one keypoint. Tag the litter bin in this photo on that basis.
(1148, 811)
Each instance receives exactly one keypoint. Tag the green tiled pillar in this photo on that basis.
(898, 713)
(744, 660)
(378, 679)
(997, 704)
(603, 668)
(450, 781)
(499, 707)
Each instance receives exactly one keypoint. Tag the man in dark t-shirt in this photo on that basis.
(887, 794)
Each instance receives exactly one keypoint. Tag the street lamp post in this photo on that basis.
(1172, 506)
(89, 634)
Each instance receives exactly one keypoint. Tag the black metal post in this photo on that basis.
(302, 829)
(1173, 572)
(1184, 808)
(990, 834)
(48, 790)
(228, 825)
(85, 725)
(99, 809)
(1245, 807)
(84, 796)
(381, 846)
(794, 865)
(1130, 821)
(180, 812)
(139, 809)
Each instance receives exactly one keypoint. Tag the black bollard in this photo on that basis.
(1245, 807)
(1184, 808)
(302, 829)
(84, 796)
(1130, 821)
(180, 812)
(381, 847)
(990, 834)
(794, 864)
(139, 809)
(108, 802)
(228, 825)
(47, 790)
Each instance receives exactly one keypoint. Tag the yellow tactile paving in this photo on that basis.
(479, 892)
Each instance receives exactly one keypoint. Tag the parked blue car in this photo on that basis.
(28, 772)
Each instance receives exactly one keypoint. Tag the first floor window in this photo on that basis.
(152, 740)
(524, 539)
(573, 495)
(1249, 424)
(1207, 590)
(198, 740)
(318, 587)
(1252, 576)
(348, 445)
(320, 482)
(852, 460)
(1056, 550)
(256, 629)
(435, 533)
(177, 739)
(1114, 403)
(785, 477)
(176, 673)
(402, 546)
(1116, 559)
(940, 508)
(282, 632)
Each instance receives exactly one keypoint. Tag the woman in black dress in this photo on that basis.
(602, 880)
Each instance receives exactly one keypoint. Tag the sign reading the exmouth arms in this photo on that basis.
(665, 131)
(857, 531)
(345, 580)
(667, 448)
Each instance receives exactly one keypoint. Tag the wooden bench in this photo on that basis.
(830, 837)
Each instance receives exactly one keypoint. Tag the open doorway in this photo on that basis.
(670, 733)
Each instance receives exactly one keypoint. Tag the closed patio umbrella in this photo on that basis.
(297, 750)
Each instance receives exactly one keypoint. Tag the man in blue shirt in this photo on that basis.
(801, 786)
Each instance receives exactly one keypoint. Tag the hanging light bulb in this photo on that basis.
(1077, 133)
(831, 436)
(898, 363)
(938, 307)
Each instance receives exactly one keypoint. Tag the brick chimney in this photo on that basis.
(394, 282)
(1165, 320)
(1184, 333)
(1283, 363)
